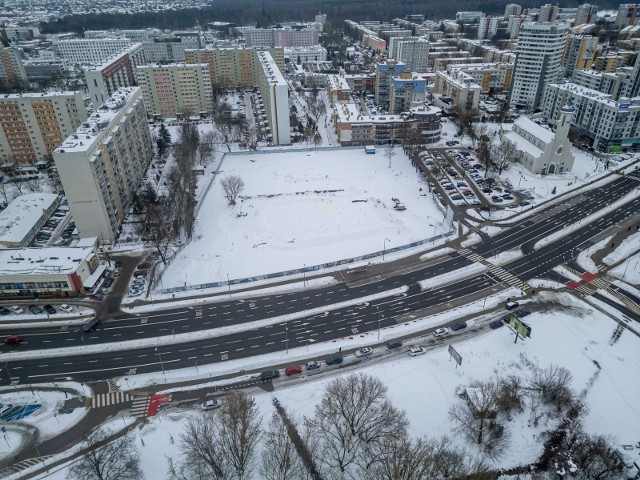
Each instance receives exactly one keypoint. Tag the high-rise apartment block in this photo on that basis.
(275, 93)
(487, 27)
(548, 13)
(538, 62)
(33, 125)
(412, 51)
(12, 71)
(627, 14)
(85, 51)
(282, 37)
(512, 9)
(176, 89)
(118, 71)
(405, 92)
(579, 53)
(234, 66)
(585, 13)
(456, 89)
(171, 48)
(384, 72)
(102, 164)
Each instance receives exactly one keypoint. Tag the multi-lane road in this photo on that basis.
(233, 329)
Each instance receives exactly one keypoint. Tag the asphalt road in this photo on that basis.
(245, 339)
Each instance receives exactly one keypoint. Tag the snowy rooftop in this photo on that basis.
(29, 261)
(337, 82)
(14, 96)
(271, 70)
(112, 59)
(172, 65)
(84, 137)
(17, 220)
(534, 129)
(588, 92)
(523, 145)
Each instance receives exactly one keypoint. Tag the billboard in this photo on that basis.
(456, 356)
(520, 327)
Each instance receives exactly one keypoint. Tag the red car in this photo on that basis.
(293, 370)
(13, 339)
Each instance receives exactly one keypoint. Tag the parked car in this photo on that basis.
(66, 308)
(134, 292)
(13, 340)
(511, 305)
(333, 359)
(363, 352)
(496, 324)
(393, 344)
(35, 309)
(16, 309)
(210, 404)
(96, 296)
(293, 370)
(4, 311)
(458, 326)
(415, 351)
(269, 375)
(439, 332)
(108, 282)
(313, 365)
(523, 313)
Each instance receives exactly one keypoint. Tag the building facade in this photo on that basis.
(412, 51)
(33, 125)
(405, 92)
(384, 73)
(456, 89)
(172, 90)
(488, 27)
(90, 51)
(579, 53)
(282, 37)
(275, 93)
(170, 48)
(538, 62)
(627, 14)
(12, 71)
(102, 164)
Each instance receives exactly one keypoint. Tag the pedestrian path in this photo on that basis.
(106, 399)
(23, 465)
(140, 406)
(502, 274)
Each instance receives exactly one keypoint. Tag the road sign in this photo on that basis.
(455, 355)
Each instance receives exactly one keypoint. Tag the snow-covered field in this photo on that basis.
(304, 208)
(575, 337)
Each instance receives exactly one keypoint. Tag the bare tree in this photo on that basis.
(117, 459)
(353, 416)
(5, 192)
(503, 155)
(484, 153)
(594, 458)
(553, 384)
(53, 180)
(280, 460)
(232, 186)
(317, 140)
(157, 228)
(207, 146)
(34, 184)
(389, 152)
(18, 182)
(475, 416)
(511, 394)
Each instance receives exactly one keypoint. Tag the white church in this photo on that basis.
(540, 150)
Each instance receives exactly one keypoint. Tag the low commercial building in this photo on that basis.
(102, 164)
(48, 272)
(24, 217)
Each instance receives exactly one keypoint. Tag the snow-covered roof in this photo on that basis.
(270, 69)
(17, 220)
(534, 129)
(523, 145)
(30, 261)
(337, 82)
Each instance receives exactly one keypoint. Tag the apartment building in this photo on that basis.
(627, 14)
(234, 66)
(44, 70)
(175, 89)
(12, 71)
(585, 13)
(368, 37)
(16, 33)
(456, 89)
(609, 125)
(102, 164)
(384, 72)
(469, 16)
(492, 77)
(579, 53)
(412, 51)
(512, 9)
(488, 27)
(33, 125)
(538, 62)
(171, 48)
(405, 92)
(338, 89)
(118, 71)
(513, 25)
(282, 37)
(315, 53)
(548, 13)
(275, 94)
(361, 82)
(90, 51)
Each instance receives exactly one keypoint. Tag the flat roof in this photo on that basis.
(51, 260)
(49, 95)
(270, 68)
(17, 220)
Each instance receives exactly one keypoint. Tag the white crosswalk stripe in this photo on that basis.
(585, 290)
(23, 465)
(501, 273)
(106, 399)
(139, 407)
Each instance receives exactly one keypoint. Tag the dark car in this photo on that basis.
(269, 375)
(523, 313)
(394, 344)
(334, 359)
(4, 311)
(458, 326)
(511, 305)
(13, 339)
(108, 282)
(496, 324)
(91, 324)
(35, 309)
(118, 263)
(49, 309)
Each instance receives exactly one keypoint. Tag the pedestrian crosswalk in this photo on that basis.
(106, 399)
(473, 256)
(24, 464)
(504, 275)
(140, 406)
(113, 387)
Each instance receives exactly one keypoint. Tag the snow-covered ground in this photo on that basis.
(304, 208)
(575, 337)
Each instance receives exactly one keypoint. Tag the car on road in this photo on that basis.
(496, 324)
(16, 309)
(210, 404)
(334, 359)
(35, 309)
(4, 311)
(91, 324)
(49, 309)
(293, 370)
(108, 282)
(458, 326)
(66, 308)
(415, 351)
(393, 344)
(313, 365)
(96, 296)
(439, 332)
(269, 375)
(13, 340)
(363, 352)
(511, 305)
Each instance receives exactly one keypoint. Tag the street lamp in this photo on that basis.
(228, 282)
(379, 320)
(161, 364)
(384, 247)
(304, 275)
(286, 338)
